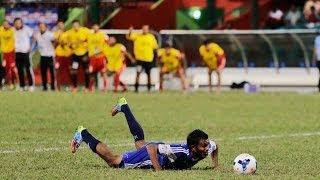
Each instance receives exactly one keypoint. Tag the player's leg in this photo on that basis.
(58, 68)
(74, 72)
(210, 80)
(20, 67)
(318, 65)
(6, 65)
(29, 69)
(52, 73)
(96, 146)
(148, 67)
(182, 78)
(134, 126)
(163, 71)
(116, 79)
(139, 69)
(85, 63)
(43, 69)
(219, 81)
(92, 71)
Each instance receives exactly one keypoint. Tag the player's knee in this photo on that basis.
(114, 161)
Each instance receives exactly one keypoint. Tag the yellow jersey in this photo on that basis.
(7, 39)
(79, 40)
(115, 56)
(170, 61)
(63, 47)
(96, 43)
(210, 57)
(143, 46)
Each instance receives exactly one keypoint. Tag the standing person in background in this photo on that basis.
(144, 45)
(63, 54)
(45, 39)
(96, 44)
(316, 56)
(7, 48)
(214, 57)
(170, 60)
(22, 37)
(78, 39)
(116, 53)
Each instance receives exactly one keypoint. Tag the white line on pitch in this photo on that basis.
(49, 149)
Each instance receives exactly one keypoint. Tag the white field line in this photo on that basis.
(50, 149)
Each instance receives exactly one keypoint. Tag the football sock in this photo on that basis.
(135, 128)
(90, 140)
(136, 86)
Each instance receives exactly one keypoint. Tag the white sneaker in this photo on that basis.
(31, 89)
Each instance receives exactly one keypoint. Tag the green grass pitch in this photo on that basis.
(282, 130)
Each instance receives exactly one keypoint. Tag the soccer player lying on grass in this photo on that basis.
(170, 62)
(155, 155)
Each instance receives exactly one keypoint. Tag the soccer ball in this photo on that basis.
(245, 164)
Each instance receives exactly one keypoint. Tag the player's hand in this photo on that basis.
(130, 29)
(57, 65)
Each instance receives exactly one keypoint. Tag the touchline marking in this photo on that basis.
(50, 149)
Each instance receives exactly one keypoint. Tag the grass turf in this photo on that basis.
(36, 129)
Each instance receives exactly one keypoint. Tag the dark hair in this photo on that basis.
(167, 45)
(206, 42)
(17, 19)
(75, 21)
(195, 136)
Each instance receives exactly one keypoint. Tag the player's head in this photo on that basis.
(145, 29)
(60, 25)
(76, 25)
(95, 27)
(198, 142)
(18, 24)
(42, 27)
(206, 43)
(6, 24)
(167, 46)
(112, 40)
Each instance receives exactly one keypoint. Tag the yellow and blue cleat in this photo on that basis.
(77, 139)
(121, 101)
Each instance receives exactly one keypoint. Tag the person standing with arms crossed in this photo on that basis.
(45, 39)
(7, 48)
(214, 57)
(22, 37)
(143, 46)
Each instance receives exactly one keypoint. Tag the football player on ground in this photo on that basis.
(96, 43)
(63, 54)
(116, 53)
(157, 155)
(214, 57)
(170, 60)
(78, 39)
(143, 46)
(7, 48)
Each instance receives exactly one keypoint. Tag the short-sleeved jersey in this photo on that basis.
(79, 40)
(96, 43)
(115, 56)
(143, 46)
(171, 60)
(7, 39)
(170, 156)
(210, 57)
(63, 46)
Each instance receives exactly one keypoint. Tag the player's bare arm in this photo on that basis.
(214, 157)
(153, 154)
(130, 57)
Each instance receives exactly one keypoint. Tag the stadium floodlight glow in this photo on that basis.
(195, 13)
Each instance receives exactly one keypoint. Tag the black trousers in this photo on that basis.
(47, 63)
(23, 62)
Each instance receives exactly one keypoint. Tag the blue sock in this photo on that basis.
(90, 140)
(135, 128)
